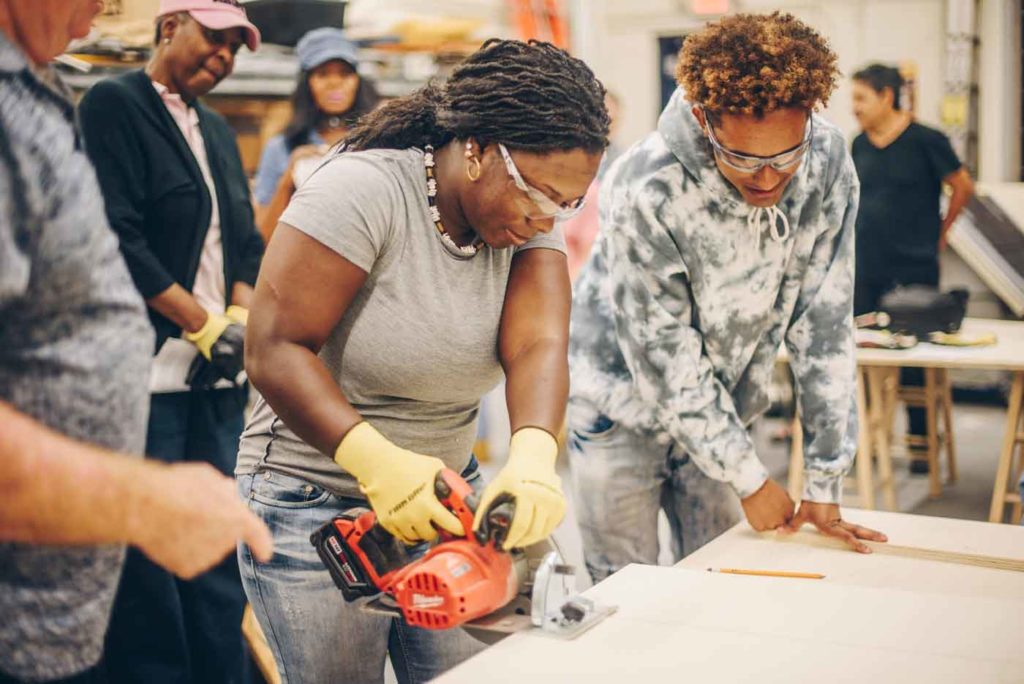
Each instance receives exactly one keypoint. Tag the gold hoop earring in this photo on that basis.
(473, 172)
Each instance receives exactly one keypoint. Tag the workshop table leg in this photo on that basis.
(931, 405)
(946, 388)
(865, 476)
(796, 459)
(1010, 441)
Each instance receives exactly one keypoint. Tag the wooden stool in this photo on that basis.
(1005, 491)
(936, 396)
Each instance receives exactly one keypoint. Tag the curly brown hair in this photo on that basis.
(757, 63)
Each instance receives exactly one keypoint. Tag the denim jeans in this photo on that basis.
(164, 630)
(622, 479)
(315, 636)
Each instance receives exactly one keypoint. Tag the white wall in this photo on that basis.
(622, 46)
(999, 82)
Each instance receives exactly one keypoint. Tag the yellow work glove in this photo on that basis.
(530, 482)
(398, 483)
(211, 331)
(221, 341)
(238, 314)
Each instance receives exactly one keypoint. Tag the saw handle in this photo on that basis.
(494, 527)
(457, 496)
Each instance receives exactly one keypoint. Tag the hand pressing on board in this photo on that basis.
(827, 519)
(769, 507)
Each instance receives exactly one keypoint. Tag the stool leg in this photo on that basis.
(796, 459)
(932, 413)
(1009, 447)
(865, 478)
(947, 423)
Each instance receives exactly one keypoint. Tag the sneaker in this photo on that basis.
(919, 468)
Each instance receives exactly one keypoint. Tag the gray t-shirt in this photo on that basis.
(75, 350)
(418, 346)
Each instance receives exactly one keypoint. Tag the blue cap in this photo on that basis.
(324, 44)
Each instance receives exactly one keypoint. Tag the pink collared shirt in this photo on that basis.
(209, 288)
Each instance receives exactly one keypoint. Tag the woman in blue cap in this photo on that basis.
(329, 97)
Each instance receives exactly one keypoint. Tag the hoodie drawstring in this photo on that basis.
(773, 215)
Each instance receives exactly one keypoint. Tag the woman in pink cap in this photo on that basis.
(178, 198)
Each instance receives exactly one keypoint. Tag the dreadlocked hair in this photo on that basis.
(530, 96)
(757, 63)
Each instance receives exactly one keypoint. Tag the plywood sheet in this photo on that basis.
(677, 625)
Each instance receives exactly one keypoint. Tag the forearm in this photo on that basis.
(242, 294)
(300, 389)
(828, 416)
(537, 386)
(178, 304)
(957, 202)
(703, 420)
(55, 490)
(271, 214)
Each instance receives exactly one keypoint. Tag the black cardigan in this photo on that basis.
(156, 198)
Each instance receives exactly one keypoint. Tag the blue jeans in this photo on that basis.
(623, 478)
(164, 630)
(315, 636)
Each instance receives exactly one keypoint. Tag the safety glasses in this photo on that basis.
(783, 161)
(534, 203)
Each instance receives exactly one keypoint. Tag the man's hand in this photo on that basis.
(188, 517)
(827, 519)
(769, 507)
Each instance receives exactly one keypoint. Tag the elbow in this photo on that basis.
(255, 358)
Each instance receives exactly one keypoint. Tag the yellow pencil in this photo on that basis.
(769, 573)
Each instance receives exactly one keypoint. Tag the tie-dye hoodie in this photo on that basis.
(689, 293)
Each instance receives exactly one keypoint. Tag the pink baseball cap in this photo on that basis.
(216, 15)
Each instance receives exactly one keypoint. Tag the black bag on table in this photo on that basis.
(921, 309)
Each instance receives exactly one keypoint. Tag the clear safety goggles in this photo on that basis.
(534, 203)
(783, 161)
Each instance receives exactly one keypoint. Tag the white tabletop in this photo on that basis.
(873, 619)
(1006, 354)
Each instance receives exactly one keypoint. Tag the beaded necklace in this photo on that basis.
(435, 213)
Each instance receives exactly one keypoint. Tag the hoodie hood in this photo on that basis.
(684, 137)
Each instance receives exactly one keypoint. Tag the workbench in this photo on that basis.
(875, 618)
(877, 368)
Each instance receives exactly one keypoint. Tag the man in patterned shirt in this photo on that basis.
(724, 234)
(74, 340)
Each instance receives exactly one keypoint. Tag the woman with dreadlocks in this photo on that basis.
(407, 273)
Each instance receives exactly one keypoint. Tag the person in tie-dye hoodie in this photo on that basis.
(724, 234)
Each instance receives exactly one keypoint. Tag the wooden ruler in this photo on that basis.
(887, 549)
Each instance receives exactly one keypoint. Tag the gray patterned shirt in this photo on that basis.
(680, 313)
(75, 349)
